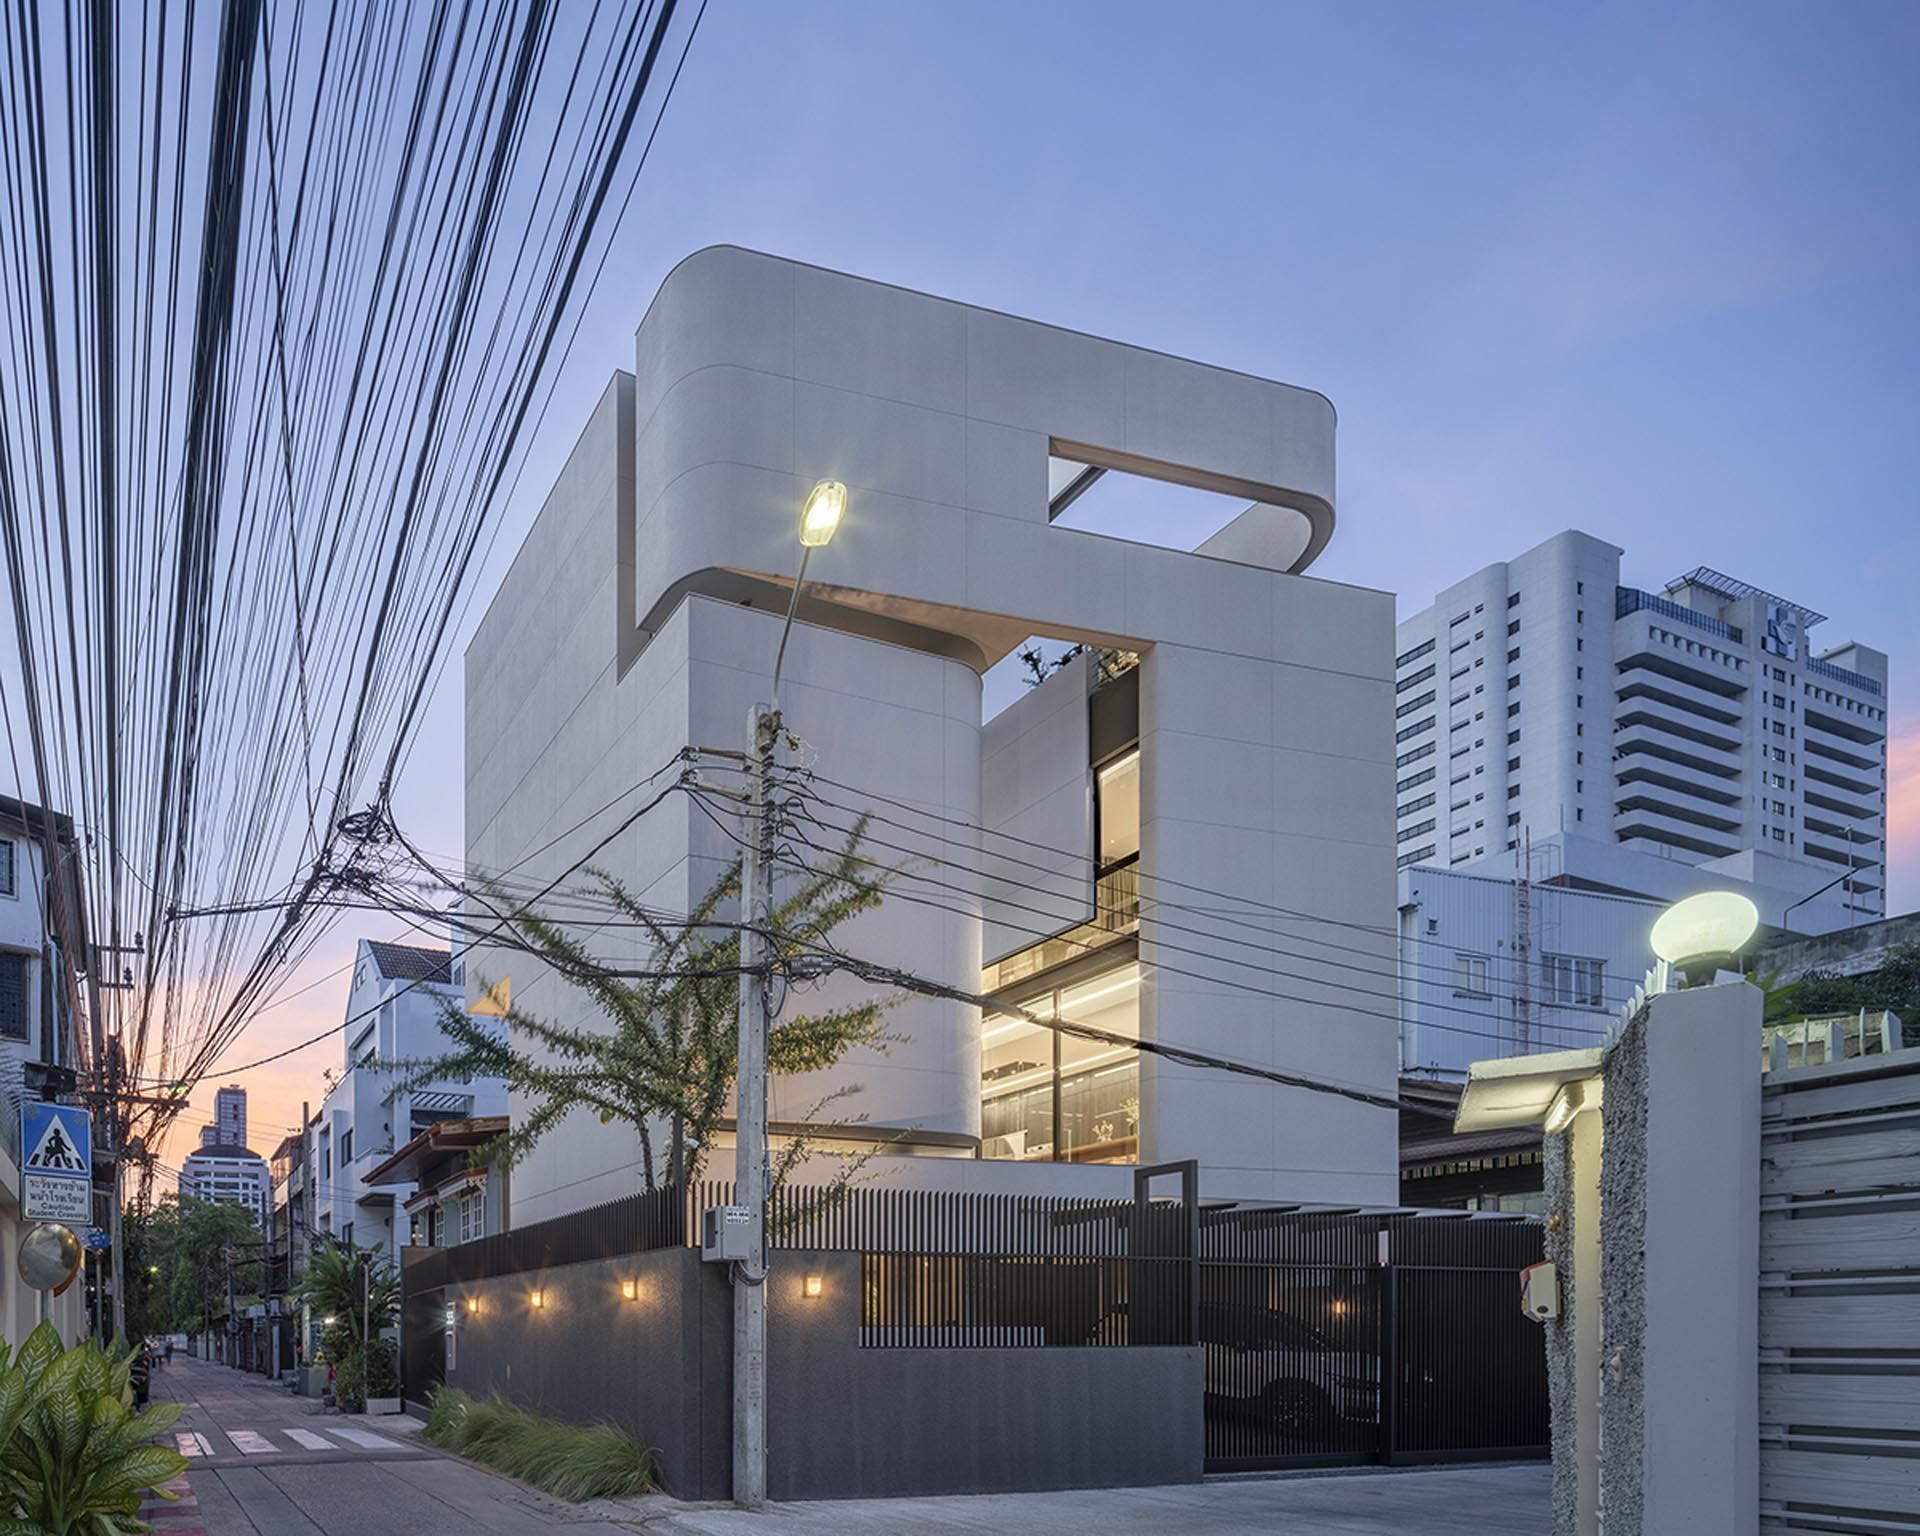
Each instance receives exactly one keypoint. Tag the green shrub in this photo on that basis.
(73, 1454)
(599, 1461)
(360, 1374)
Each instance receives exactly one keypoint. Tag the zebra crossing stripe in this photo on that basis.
(310, 1440)
(249, 1443)
(367, 1438)
(193, 1445)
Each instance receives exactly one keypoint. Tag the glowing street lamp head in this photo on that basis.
(826, 504)
(1702, 928)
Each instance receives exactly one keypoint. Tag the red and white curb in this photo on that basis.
(179, 1516)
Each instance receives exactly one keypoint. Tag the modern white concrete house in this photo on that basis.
(1701, 725)
(1164, 849)
(394, 1011)
(40, 1021)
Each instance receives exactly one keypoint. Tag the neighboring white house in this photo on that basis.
(394, 1011)
(1698, 725)
(1492, 964)
(40, 1021)
(228, 1175)
(1243, 765)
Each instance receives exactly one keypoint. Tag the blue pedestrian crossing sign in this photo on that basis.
(56, 1172)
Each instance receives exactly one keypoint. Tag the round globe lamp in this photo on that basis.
(1697, 935)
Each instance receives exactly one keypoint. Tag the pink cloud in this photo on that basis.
(1903, 815)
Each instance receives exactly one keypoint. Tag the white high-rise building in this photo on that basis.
(1541, 700)
(227, 1175)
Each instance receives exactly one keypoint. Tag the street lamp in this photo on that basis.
(825, 505)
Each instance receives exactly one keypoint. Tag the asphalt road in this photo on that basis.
(262, 1462)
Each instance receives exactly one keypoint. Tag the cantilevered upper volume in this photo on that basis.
(758, 377)
(1159, 846)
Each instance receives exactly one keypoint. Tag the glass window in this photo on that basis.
(1119, 807)
(1472, 977)
(1100, 1081)
(1050, 1096)
(1016, 1083)
(1573, 981)
(13, 997)
(9, 878)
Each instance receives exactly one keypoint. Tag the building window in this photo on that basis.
(9, 869)
(13, 997)
(1471, 977)
(1513, 599)
(346, 1147)
(1052, 1097)
(1573, 981)
(1117, 800)
(473, 1216)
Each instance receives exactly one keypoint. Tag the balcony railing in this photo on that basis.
(1116, 898)
(1628, 600)
(1841, 675)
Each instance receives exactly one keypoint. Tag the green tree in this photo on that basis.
(356, 1293)
(666, 1053)
(1892, 986)
(195, 1248)
(332, 1287)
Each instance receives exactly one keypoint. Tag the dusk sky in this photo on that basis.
(1647, 271)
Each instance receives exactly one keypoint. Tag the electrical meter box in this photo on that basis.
(726, 1234)
(1540, 1292)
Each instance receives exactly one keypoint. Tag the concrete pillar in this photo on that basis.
(1679, 1277)
(1573, 1160)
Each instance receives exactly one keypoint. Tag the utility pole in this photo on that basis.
(750, 1115)
(1523, 945)
(824, 507)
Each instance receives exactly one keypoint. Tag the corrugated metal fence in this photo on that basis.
(1840, 1296)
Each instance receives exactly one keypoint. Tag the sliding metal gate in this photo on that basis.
(1341, 1338)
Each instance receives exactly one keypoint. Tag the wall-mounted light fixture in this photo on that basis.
(630, 1289)
(812, 1286)
(538, 1298)
(473, 1303)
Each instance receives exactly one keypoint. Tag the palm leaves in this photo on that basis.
(74, 1456)
(331, 1287)
(668, 1055)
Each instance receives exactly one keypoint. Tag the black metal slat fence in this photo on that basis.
(1327, 1335)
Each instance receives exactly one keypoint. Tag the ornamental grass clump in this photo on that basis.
(570, 1461)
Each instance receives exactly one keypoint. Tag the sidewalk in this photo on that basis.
(1439, 1501)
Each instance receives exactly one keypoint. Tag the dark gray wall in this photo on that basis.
(842, 1421)
(588, 1354)
(847, 1422)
